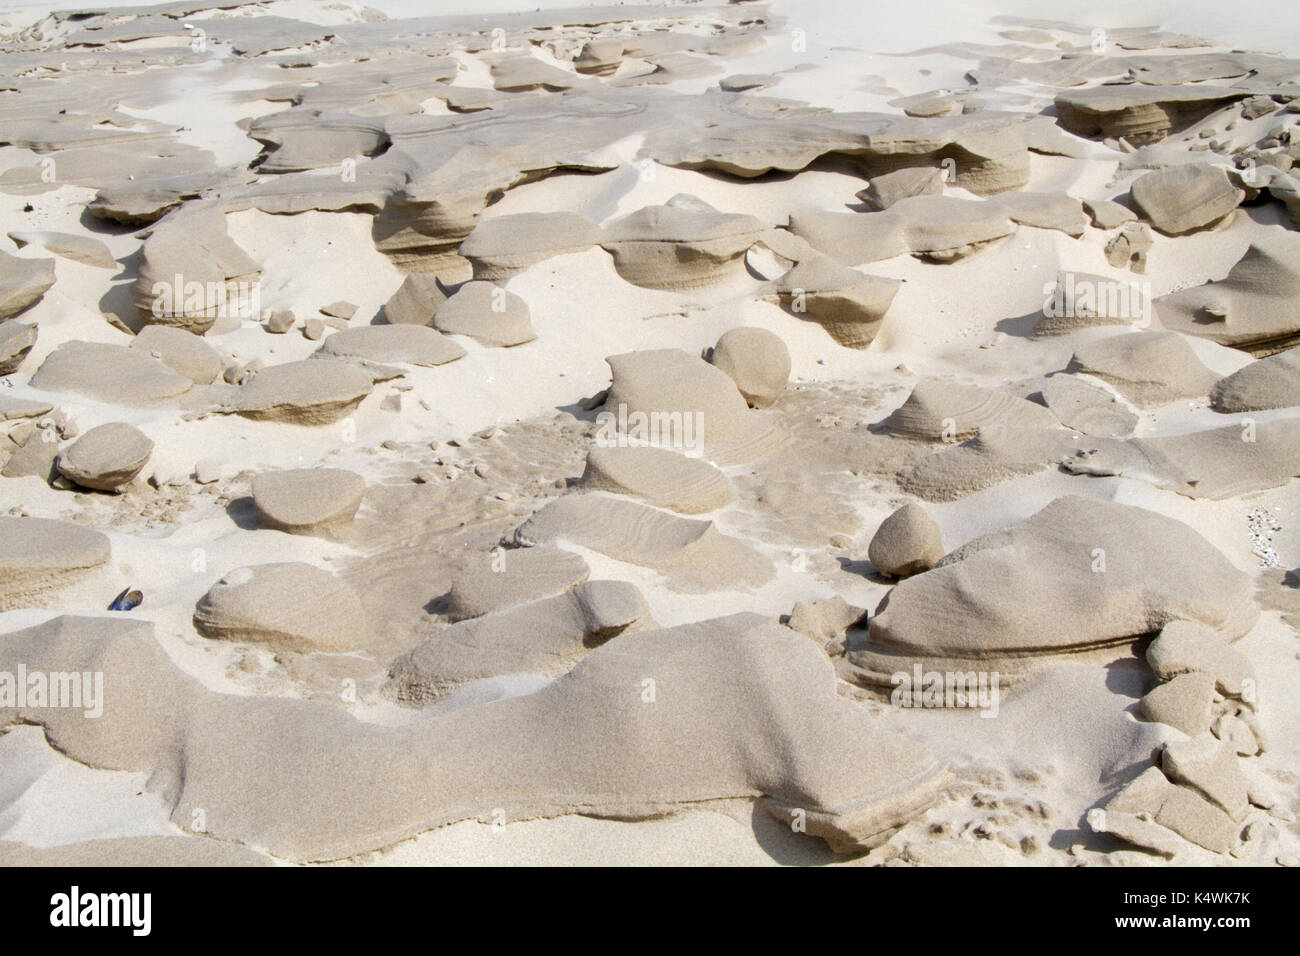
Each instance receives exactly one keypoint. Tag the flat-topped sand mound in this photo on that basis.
(304, 393)
(658, 476)
(40, 555)
(1080, 574)
(693, 554)
(545, 637)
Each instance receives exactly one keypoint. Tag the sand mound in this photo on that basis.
(1147, 368)
(849, 304)
(658, 476)
(183, 353)
(290, 606)
(938, 228)
(947, 412)
(1186, 198)
(694, 555)
(108, 373)
(488, 314)
(1107, 214)
(1082, 300)
(1255, 308)
(1043, 211)
(1216, 463)
(545, 637)
(339, 309)
(932, 103)
(1184, 647)
(310, 392)
(16, 341)
(757, 361)
(1087, 408)
(107, 458)
(669, 398)
(306, 781)
(506, 578)
(1185, 702)
(1272, 382)
(422, 224)
(1078, 574)
(1138, 112)
(517, 74)
(501, 247)
(1154, 812)
(906, 543)
(415, 301)
(191, 272)
(311, 138)
(743, 82)
(307, 500)
(84, 249)
(683, 244)
(991, 148)
(33, 457)
(16, 408)
(22, 282)
(408, 344)
(39, 555)
(888, 188)
(997, 454)
(824, 621)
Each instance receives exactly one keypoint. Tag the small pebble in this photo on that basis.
(280, 321)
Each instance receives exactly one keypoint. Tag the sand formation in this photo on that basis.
(502, 579)
(757, 361)
(107, 457)
(605, 416)
(546, 637)
(1272, 382)
(307, 500)
(946, 412)
(1213, 463)
(854, 786)
(1253, 308)
(41, 555)
(16, 342)
(290, 606)
(658, 476)
(490, 315)
(1082, 558)
(1147, 368)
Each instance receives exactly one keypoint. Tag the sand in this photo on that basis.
(750, 433)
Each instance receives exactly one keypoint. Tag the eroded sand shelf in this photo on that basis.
(649, 430)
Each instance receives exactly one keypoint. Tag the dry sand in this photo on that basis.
(686, 434)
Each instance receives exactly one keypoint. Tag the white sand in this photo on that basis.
(964, 321)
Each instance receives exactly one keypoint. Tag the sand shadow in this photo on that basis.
(438, 606)
(1021, 326)
(243, 513)
(1129, 677)
(865, 569)
(787, 847)
(108, 227)
(119, 301)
